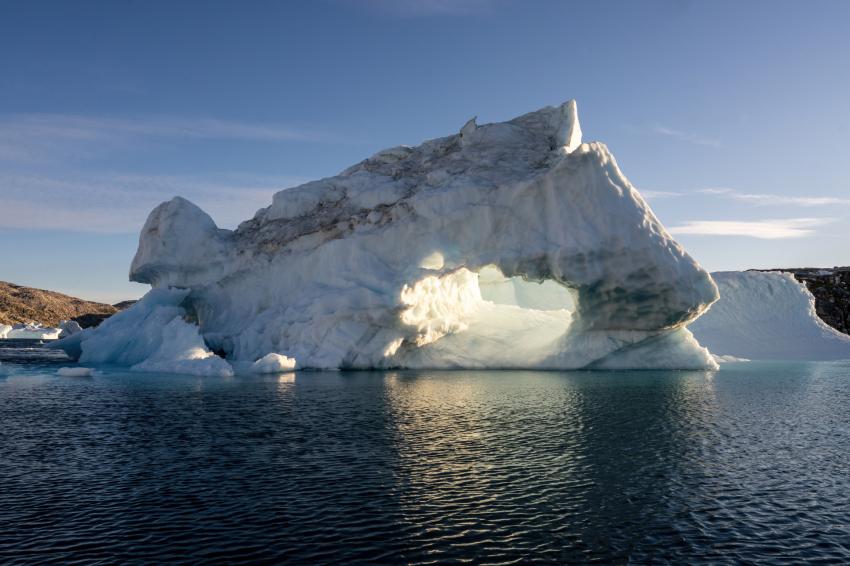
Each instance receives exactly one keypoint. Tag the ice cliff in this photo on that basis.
(509, 245)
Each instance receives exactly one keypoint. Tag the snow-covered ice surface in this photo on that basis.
(507, 245)
(767, 316)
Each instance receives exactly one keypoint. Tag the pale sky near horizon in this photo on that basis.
(732, 118)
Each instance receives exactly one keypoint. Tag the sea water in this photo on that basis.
(750, 463)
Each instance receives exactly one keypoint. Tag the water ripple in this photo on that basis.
(746, 465)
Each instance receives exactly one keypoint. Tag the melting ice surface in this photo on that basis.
(507, 245)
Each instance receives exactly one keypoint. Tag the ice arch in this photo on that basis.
(391, 263)
(484, 319)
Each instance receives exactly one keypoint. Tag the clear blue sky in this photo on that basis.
(732, 117)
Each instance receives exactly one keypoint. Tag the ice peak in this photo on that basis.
(568, 134)
(560, 124)
(468, 129)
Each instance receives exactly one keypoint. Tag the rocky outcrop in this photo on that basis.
(20, 304)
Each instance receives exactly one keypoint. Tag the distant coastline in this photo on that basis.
(23, 305)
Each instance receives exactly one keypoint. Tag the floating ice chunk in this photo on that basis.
(75, 372)
(273, 363)
(32, 331)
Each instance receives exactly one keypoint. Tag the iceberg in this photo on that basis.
(29, 331)
(767, 316)
(150, 336)
(505, 245)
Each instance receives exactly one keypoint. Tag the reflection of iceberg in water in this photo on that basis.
(485, 462)
(580, 462)
(286, 378)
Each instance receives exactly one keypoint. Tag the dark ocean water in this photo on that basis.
(748, 464)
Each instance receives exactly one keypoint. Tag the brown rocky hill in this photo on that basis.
(25, 304)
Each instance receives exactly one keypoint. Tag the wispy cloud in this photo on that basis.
(660, 194)
(763, 229)
(32, 137)
(686, 136)
(766, 199)
(120, 203)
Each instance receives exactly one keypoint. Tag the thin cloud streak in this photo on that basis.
(660, 194)
(37, 137)
(120, 203)
(81, 127)
(767, 199)
(687, 137)
(762, 229)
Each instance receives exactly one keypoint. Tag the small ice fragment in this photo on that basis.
(273, 363)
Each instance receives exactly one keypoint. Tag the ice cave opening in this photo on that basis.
(485, 318)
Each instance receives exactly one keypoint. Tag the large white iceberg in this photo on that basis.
(767, 316)
(508, 245)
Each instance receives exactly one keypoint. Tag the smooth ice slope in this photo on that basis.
(766, 316)
(505, 245)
